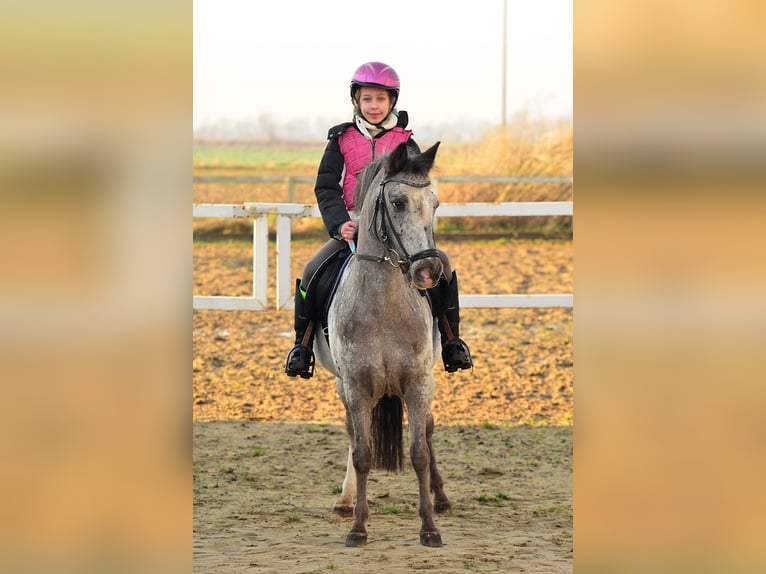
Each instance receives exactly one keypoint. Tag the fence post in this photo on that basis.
(284, 282)
(260, 260)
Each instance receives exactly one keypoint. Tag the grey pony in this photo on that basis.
(383, 340)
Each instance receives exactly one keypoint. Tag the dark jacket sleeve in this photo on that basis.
(328, 188)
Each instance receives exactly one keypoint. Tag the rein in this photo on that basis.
(382, 214)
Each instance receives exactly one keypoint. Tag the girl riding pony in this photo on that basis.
(377, 127)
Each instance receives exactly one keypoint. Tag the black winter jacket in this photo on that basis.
(328, 188)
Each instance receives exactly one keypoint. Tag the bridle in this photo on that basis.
(386, 232)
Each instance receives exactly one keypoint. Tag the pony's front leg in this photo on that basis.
(421, 462)
(344, 506)
(441, 502)
(361, 458)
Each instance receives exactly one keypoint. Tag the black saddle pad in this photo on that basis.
(323, 285)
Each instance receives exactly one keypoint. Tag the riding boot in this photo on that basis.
(455, 352)
(300, 359)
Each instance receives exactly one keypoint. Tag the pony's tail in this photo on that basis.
(387, 440)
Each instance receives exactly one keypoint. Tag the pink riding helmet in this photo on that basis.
(376, 75)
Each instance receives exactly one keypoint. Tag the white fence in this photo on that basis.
(284, 213)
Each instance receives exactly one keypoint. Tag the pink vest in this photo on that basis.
(358, 151)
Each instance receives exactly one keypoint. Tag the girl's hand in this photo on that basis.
(347, 230)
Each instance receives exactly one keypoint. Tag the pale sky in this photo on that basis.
(293, 59)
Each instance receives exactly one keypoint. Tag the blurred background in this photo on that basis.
(669, 311)
(283, 71)
(95, 173)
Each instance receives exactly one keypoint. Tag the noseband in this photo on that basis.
(386, 231)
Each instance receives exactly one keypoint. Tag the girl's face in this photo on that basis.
(374, 103)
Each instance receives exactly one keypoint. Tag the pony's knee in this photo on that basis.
(362, 459)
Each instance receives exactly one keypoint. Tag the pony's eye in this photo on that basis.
(398, 204)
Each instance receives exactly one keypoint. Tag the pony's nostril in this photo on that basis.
(426, 278)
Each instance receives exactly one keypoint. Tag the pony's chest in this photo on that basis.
(390, 330)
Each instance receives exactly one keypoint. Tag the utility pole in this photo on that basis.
(505, 54)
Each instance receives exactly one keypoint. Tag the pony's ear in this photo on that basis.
(397, 159)
(426, 159)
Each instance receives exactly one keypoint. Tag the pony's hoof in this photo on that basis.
(442, 507)
(343, 511)
(356, 539)
(430, 539)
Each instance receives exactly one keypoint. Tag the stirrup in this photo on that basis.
(300, 362)
(456, 356)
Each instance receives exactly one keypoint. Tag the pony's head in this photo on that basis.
(397, 209)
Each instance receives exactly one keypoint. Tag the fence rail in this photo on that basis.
(284, 213)
(291, 180)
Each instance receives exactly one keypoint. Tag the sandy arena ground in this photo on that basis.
(269, 450)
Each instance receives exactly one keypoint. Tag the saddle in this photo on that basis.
(323, 285)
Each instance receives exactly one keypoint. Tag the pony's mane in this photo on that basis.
(365, 179)
(415, 166)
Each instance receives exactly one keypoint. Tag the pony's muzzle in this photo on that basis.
(425, 273)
